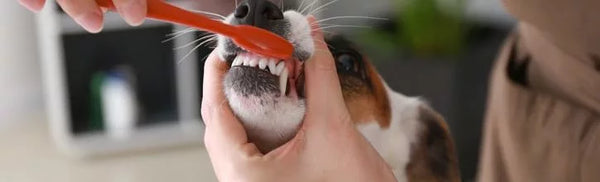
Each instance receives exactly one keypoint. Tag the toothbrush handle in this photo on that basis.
(248, 37)
(160, 10)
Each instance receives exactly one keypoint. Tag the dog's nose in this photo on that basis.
(257, 13)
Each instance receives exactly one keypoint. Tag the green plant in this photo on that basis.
(429, 27)
(424, 27)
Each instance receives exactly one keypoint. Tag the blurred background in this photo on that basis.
(123, 104)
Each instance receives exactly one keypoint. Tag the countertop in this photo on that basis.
(27, 154)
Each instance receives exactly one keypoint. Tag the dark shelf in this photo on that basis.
(142, 50)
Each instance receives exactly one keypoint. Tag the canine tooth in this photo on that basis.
(262, 64)
(237, 61)
(253, 62)
(272, 66)
(280, 68)
(283, 81)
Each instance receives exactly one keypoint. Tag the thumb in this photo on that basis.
(224, 132)
(322, 86)
(323, 96)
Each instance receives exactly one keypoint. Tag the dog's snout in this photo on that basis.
(257, 13)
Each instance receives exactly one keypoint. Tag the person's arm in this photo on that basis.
(90, 16)
(326, 148)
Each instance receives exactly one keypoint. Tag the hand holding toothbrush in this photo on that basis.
(89, 14)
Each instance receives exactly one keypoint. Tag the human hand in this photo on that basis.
(89, 15)
(327, 147)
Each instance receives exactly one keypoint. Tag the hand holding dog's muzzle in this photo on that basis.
(326, 148)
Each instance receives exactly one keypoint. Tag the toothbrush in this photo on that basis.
(250, 38)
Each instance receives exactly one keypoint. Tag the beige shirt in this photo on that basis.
(549, 128)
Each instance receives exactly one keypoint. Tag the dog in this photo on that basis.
(267, 95)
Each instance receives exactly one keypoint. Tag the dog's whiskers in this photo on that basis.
(208, 36)
(192, 29)
(221, 17)
(316, 10)
(188, 54)
(349, 17)
(178, 34)
(308, 7)
(207, 41)
(181, 31)
(300, 6)
(344, 26)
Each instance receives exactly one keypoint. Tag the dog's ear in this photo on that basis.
(433, 157)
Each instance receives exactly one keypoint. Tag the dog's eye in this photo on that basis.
(347, 62)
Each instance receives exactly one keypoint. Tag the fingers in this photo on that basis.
(291, 148)
(90, 16)
(212, 88)
(133, 11)
(85, 12)
(33, 5)
(223, 130)
(323, 91)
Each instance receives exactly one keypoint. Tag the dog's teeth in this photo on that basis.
(280, 68)
(245, 61)
(274, 61)
(237, 61)
(272, 66)
(253, 62)
(262, 64)
(283, 81)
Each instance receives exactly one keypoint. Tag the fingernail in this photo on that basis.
(31, 5)
(92, 22)
(134, 12)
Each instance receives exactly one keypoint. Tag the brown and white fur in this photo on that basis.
(411, 137)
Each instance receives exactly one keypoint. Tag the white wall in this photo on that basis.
(20, 85)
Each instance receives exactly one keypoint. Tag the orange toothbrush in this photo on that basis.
(251, 38)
